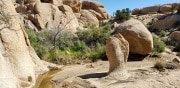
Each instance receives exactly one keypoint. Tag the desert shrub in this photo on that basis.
(163, 32)
(159, 45)
(85, 44)
(123, 14)
(160, 65)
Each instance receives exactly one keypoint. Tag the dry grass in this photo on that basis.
(160, 65)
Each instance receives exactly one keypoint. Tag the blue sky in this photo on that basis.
(113, 5)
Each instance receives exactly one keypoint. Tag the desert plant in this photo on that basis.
(123, 14)
(159, 45)
(163, 32)
(160, 65)
(88, 43)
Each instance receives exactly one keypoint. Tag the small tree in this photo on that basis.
(123, 14)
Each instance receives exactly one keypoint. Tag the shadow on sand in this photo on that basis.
(93, 75)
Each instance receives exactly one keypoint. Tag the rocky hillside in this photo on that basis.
(60, 14)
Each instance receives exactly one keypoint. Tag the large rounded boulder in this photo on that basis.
(139, 38)
(175, 35)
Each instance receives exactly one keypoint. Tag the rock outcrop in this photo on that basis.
(175, 35)
(99, 8)
(135, 11)
(167, 22)
(18, 61)
(87, 18)
(166, 8)
(61, 14)
(74, 4)
(150, 10)
(117, 51)
(49, 16)
(139, 38)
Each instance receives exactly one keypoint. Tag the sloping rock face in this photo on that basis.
(74, 4)
(175, 35)
(167, 22)
(88, 18)
(139, 38)
(18, 61)
(117, 51)
(96, 7)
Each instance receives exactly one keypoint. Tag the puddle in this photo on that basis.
(44, 80)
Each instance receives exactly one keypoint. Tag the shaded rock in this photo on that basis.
(21, 9)
(150, 9)
(96, 7)
(117, 51)
(136, 11)
(139, 38)
(175, 6)
(166, 8)
(166, 23)
(175, 35)
(54, 2)
(96, 14)
(22, 2)
(74, 4)
(176, 60)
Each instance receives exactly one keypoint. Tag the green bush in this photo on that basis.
(159, 45)
(163, 32)
(123, 14)
(85, 44)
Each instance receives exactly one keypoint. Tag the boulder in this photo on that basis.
(167, 22)
(96, 14)
(99, 8)
(149, 10)
(176, 60)
(19, 63)
(175, 35)
(117, 51)
(87, 18)
(49, 16)
(175, 6)
(74, 4)
(139, 38)
(69, 20)
(136, 11)
(166, 8)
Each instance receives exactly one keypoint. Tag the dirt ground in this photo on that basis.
(93, 75)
